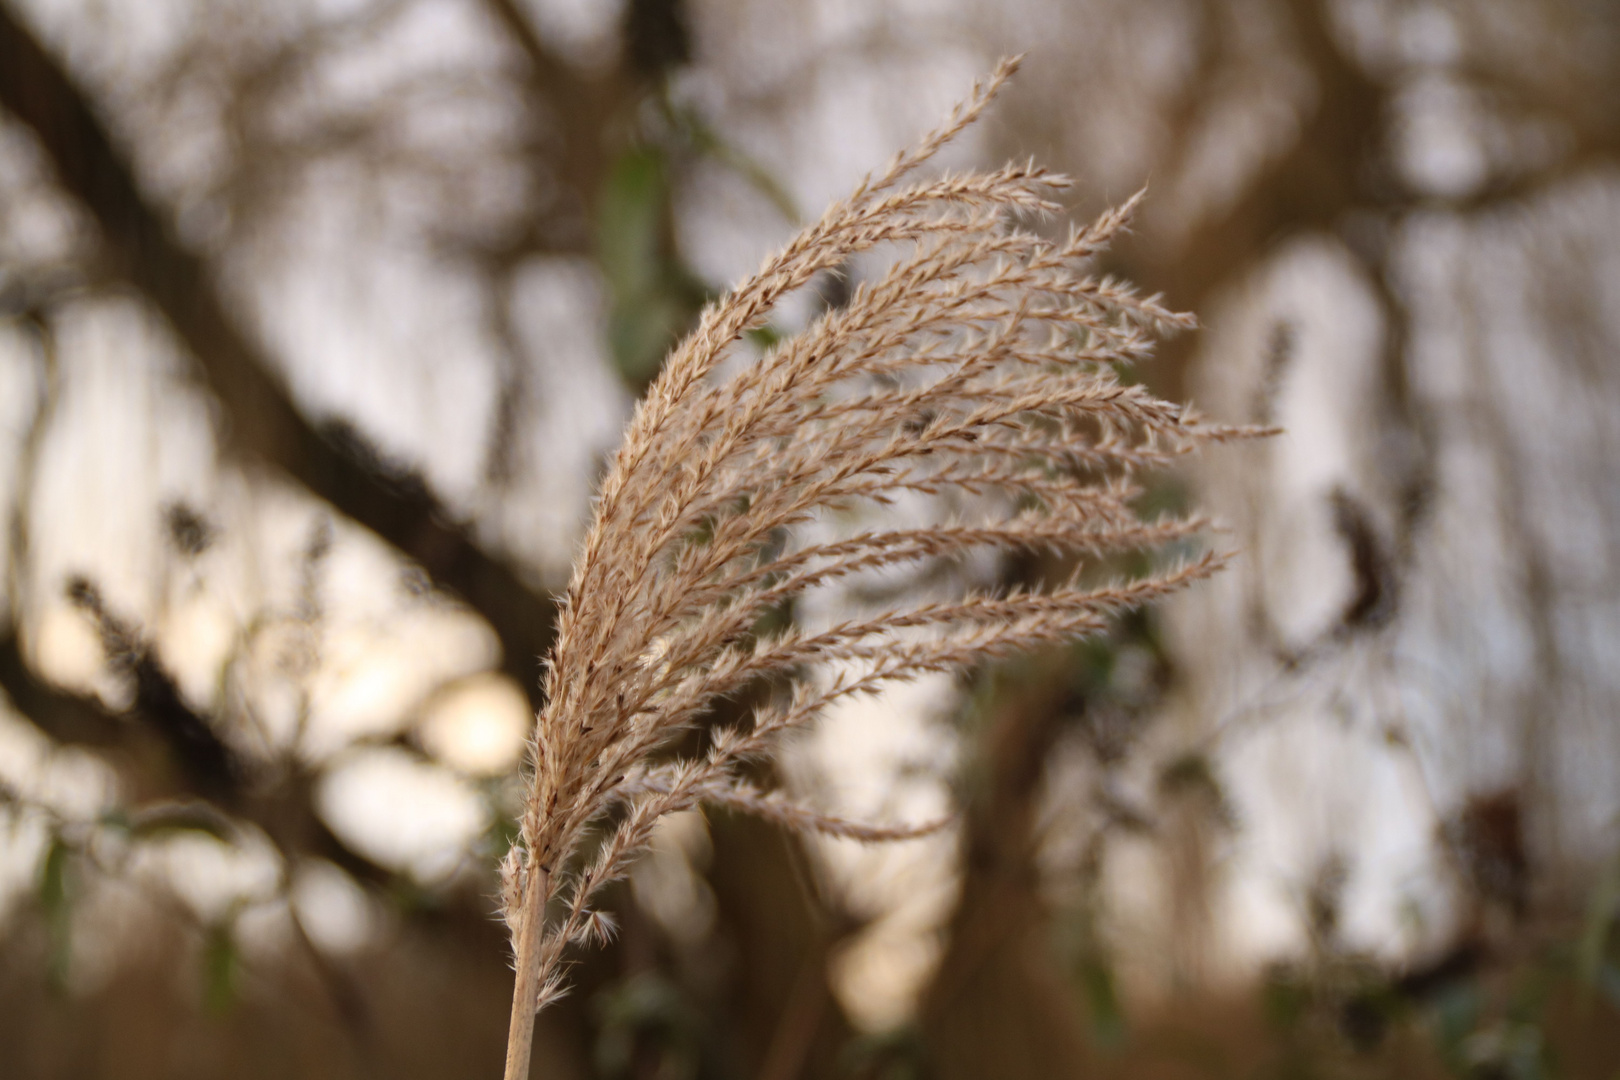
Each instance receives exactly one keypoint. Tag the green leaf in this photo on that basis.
(640, 331)
(1456, 1014)
(653, 298)
(55, 901)
(1601, 909)
(630, 226)
(765, 337)
(1103, 1000)
(221, 966)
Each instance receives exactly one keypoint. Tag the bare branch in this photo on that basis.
(141, 248)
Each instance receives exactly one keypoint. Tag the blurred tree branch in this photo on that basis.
(581, 106)
(995, 951)
(141, 247)
(788, 1023)
(146, 741)
(1323, 174)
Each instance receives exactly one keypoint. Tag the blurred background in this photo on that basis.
(318, 318)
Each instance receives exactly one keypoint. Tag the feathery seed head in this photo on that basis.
(981, 359)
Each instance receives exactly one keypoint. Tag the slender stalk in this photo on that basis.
(520, 1035)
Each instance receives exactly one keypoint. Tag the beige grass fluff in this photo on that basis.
(982, 359)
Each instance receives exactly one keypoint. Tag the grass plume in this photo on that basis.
(982, 359)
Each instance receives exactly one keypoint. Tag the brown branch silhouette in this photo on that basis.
(140, 247)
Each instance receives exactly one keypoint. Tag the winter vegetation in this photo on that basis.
(981, 361)
(469, 507)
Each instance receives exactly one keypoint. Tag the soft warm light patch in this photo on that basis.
(332, 908)
(477, 726)
(402, 812)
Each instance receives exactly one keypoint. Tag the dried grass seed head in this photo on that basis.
(982, 359)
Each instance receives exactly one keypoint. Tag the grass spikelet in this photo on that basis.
(982, 359)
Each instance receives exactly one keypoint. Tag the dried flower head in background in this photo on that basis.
(981, 360)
